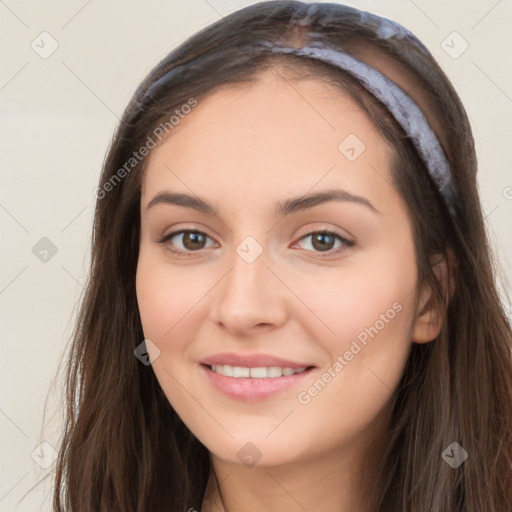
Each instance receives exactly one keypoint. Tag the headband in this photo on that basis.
(405, 111)
(400, 105)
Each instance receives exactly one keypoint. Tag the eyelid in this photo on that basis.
(347, 237)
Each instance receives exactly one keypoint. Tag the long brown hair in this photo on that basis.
(125, 449)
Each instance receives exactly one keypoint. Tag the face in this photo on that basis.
(259, 271)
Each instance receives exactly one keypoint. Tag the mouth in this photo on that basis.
(253, 383)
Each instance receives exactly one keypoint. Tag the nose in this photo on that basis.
(249, 298)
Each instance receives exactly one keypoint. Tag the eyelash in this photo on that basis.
(347, 244)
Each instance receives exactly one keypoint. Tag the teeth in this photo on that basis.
(274, 371)
(259, 373)
(238, 371)
(255, 373)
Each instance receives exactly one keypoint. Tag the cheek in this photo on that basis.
(369, 311)
(166, 299)
(165, 296)
(173, 306)
(354, 301)
(367, 315)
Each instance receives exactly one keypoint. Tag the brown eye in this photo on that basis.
(192, 240)
(186, 240)
(324, 242)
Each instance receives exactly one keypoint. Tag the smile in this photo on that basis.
(253, 383)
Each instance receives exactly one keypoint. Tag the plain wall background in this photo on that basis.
(58, 116)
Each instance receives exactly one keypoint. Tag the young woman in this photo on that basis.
(291, 302)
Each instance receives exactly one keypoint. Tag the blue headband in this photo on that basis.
(401, 106)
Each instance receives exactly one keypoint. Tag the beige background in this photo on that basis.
(58, 115)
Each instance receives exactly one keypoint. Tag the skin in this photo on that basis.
(243, 149)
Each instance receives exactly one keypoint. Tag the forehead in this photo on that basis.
(271, 133)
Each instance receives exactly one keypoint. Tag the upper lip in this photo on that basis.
(252, 361)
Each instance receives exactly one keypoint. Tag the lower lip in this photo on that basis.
(246, 388)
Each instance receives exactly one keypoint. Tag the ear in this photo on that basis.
(429, 317)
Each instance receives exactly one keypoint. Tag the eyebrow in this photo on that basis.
(286, 207)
